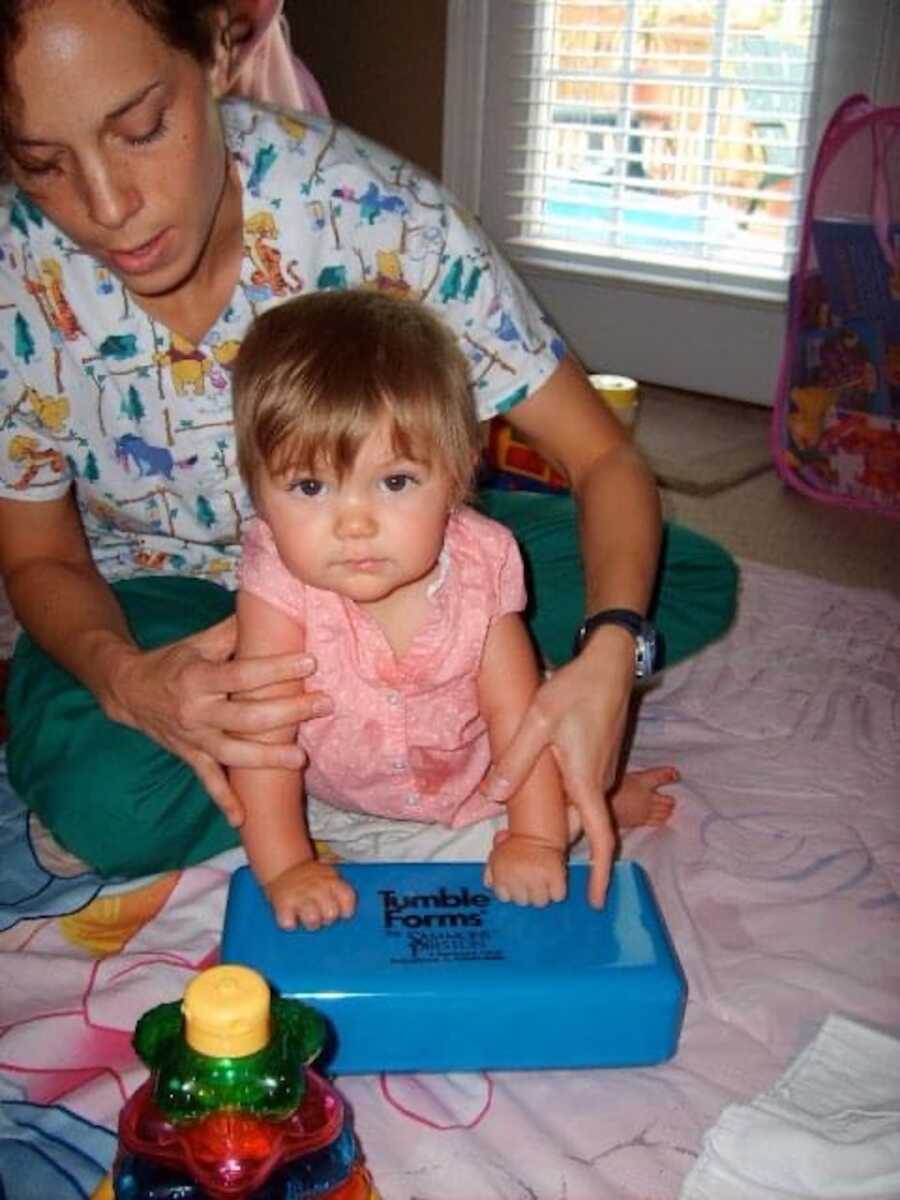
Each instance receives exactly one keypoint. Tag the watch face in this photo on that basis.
(645, 652)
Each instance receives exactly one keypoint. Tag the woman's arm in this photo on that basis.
(581, 711)
(179, 695)
(617, 498)
(57, 593)
(274, 833)
(527, 865)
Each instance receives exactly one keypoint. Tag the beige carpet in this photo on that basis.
(700, 444)
(725, 486)
(763, 519)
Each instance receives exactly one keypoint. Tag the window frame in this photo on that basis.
(716, 338)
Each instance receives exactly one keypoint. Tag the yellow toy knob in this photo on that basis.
(226, 1012)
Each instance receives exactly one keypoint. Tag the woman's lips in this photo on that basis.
(141, 259)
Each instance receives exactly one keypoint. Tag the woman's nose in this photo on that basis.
(111, 197)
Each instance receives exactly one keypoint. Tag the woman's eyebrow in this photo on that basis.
(120, 111)
(134, 101)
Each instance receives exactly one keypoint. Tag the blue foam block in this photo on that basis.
(435, 974)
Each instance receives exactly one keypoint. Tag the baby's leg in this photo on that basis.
(635, 800)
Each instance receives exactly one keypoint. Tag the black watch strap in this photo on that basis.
(626, 617)
(646, 641)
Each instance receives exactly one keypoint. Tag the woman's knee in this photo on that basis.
(696, 597)
(129, 824)
(108, 793)
(111, 795)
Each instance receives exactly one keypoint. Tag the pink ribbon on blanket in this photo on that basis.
(441, 1127)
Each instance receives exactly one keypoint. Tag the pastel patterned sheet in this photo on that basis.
(778, 876)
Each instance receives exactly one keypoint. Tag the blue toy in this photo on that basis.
(433, 973)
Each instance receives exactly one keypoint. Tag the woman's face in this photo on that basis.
(118, 140)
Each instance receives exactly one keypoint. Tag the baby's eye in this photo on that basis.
(398, 482)
(308, 487)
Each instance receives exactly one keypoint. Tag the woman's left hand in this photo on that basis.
(580, 712)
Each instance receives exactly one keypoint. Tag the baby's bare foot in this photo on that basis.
(638, 801)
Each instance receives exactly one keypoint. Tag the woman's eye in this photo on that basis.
(398, 483)
(33, 167)
(149, 135)
(308, 487)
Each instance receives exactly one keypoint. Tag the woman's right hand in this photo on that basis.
(196, 700)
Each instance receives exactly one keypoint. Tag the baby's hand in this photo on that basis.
(311, 894)
(526, 870)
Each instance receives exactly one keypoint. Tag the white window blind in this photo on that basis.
(671, 135)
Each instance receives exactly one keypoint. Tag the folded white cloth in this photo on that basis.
(828, 1130)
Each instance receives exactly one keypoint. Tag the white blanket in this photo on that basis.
(828, 1130)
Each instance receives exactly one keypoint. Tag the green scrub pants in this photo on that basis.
(128, 807)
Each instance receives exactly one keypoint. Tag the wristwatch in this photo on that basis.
(647, 648)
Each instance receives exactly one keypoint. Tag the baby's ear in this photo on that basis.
(234, 31)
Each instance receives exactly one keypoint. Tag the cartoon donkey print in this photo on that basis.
(149, 460)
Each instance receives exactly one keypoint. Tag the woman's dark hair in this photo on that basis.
(186, 25)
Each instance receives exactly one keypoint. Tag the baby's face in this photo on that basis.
(378, 529)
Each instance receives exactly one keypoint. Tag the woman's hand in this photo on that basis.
(184, 696)
(580, 714)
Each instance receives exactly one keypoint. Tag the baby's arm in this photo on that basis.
(299, 887)
(527, 866)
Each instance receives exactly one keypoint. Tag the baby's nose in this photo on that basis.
(355, 520)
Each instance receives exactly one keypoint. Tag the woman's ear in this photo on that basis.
(234, 30)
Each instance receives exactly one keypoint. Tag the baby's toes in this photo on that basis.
(661, 808)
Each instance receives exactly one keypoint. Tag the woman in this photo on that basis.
(164, 222)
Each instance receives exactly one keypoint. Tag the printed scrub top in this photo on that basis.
(93, 390)
(410, 741)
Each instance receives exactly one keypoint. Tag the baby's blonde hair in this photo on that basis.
(315, 375)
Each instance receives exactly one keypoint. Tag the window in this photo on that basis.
(667, 133)
(643, 164)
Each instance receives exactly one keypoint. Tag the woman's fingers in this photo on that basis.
(587, 771)
(240, 752)
(597, 825)
(219, 697)
(198, 703)
(517, 761)
(250, 674)
(583, 727)
(244, 715)
(213, 669)
(210, 769)
(215, 782)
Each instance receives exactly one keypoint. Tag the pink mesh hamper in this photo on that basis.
(836, 420)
